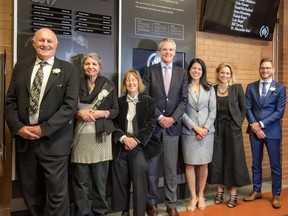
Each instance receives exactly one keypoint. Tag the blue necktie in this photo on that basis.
(264, 90)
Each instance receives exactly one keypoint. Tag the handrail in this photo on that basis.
(2, 90)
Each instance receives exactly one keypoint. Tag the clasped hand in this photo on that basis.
(89, 115)
(256, 128)
(166, 122)
(30, 132)
(130, 143)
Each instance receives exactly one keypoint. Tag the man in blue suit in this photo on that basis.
(168, 85)
(265, 102)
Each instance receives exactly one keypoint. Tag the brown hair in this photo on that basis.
(136, 74)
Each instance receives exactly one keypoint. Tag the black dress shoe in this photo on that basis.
(172, 211)
(125, 213)
(151, 210)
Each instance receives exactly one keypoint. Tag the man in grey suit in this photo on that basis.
(167, 84)
(43, 132)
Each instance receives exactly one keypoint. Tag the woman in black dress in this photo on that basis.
(228, 167)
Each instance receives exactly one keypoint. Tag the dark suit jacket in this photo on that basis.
(270, 112)
(57, 108)
(236, 103)
(175, 104)
(144, 124)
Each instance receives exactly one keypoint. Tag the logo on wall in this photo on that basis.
(264, 31)
(154, 58)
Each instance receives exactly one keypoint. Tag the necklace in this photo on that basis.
(224, 92)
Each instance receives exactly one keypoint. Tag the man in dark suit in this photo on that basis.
(43, 137)
(167, 84)
(265, 103)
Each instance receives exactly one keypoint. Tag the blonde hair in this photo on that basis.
(222, 65)
(136, 74)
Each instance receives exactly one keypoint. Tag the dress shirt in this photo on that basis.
(130, 115)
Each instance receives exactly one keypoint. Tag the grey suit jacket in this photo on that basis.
(57, 108)
(175, 103)
(200, 112)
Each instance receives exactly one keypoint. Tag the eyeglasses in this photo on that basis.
(265, 68)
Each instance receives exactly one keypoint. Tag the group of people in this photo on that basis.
(52, 113)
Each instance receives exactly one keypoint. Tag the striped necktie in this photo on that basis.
(36, 89)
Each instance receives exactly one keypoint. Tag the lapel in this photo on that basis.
(28, 73)
(194, 100)
(160, 78)
(269, 92)
(53, 77)
(140, 108)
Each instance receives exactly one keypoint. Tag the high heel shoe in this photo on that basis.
(219, 197)
(201, 203)
(192, 205)
(232, 201)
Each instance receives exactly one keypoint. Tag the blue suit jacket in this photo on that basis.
(175, 103)
(270, 111)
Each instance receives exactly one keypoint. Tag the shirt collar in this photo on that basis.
(163, 64)
(50, 61)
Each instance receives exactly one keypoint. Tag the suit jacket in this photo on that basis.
(236, 103)
(144, 124)
(200, 112)
(175, 103)
(270, 112)
(57, 108)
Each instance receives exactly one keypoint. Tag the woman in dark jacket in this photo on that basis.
(92, 145)
(228, 167)
(133, 145)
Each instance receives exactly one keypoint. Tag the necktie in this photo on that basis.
(36, 89)
(166, 80)
(264, 90)
(133, 100)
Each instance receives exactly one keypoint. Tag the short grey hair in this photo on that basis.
(94, 56)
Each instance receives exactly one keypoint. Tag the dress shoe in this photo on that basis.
(151, 210)
(252, 196)
(172, 212)
(276, 203)
(125, 213)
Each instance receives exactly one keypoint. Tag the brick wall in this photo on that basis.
(6, 44)
(244, 55)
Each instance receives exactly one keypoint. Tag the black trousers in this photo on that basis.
(130, 167)
(44, 181)
(89, 185)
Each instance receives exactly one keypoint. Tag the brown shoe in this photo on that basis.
(151, 210)
(172, 212)
(276, 203)
(252, 196)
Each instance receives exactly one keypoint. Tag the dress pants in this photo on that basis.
(44, 181)
(169, 162)
(273, 149)
(89, 185)
(130, 167)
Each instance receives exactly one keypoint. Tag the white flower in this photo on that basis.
(104, 93)
(272, 88)
(56, 71)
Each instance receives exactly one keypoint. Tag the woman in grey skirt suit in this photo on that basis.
(198, 131)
